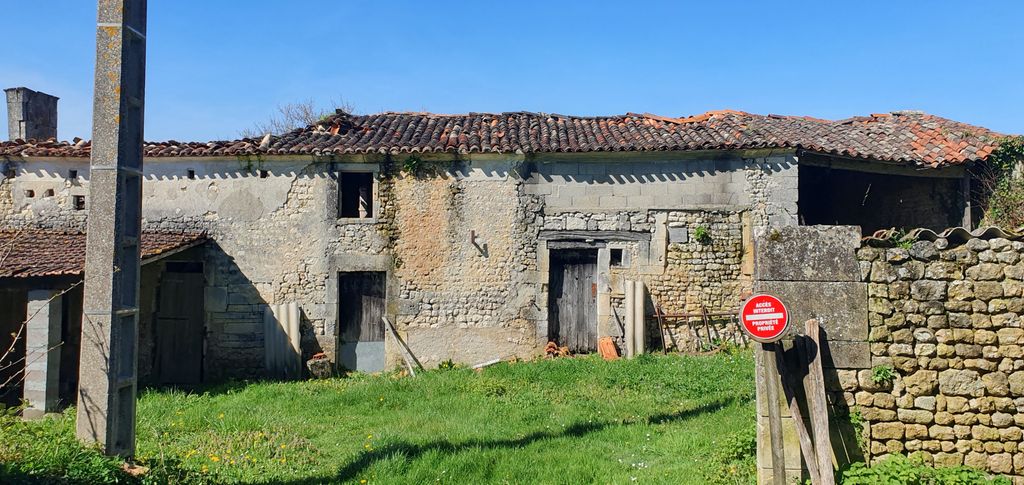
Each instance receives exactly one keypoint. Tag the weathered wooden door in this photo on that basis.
(361, 297)
(573, 307)
(12, 317)
(180, 329)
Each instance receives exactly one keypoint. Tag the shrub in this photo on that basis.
(898, 469)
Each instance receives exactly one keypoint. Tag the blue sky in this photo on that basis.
(215, 67)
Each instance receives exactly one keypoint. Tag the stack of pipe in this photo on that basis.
(635, 332)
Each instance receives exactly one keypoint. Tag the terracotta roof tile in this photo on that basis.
(902, 136)
(38, 252)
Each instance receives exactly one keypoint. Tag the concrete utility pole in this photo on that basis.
(106, 392)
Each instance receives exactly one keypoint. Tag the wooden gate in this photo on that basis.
(361, 296)
(572, 319)
(180, 328)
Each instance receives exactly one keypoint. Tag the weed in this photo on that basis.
(882, 374)
(702, 234)
(901, 469)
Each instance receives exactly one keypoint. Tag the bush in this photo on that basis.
(898, 469)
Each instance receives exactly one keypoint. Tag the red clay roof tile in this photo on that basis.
(903, 136)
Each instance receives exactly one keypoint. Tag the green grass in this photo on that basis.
(655, 419)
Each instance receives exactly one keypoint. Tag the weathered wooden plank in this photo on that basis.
(774, 416)
(806, 445)
(817, 404)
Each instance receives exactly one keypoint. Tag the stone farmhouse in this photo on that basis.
(479, 236)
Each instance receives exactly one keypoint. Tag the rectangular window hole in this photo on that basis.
(72, 174)
(191, 174)
(355, 195)
(264, 174)
(48, 193)
(79, 202)
(615, 257)
(30, 193)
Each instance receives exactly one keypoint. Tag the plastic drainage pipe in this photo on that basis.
(638, 319)
(630, 327)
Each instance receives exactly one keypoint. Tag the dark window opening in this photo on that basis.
(191, 174)
(48, 193)
(355, 195)
(264, 174)
(30, 193)
(72, 174)
(79, 202)
(615, 258)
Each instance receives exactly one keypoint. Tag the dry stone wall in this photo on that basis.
(947, 321)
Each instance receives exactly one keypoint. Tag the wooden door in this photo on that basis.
(13, 305)
(180, 328)
(361, 300)
(573, 308)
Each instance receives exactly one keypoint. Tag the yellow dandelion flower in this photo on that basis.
(284, 446)
(205, 469)
(214, 458)
(232, 462)
(366, 446)
(362, 481)
(220, 416)
(283, 460)
(369, 436)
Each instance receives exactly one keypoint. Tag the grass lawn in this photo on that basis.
(655, 419)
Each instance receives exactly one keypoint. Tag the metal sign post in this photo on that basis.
(765, 319)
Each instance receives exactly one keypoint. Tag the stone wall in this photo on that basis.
(947, 320)
(463, 243)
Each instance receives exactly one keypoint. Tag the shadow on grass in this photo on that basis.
(411, 451)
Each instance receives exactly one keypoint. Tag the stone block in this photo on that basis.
(841, 354)
(808, 253)
(840, 307)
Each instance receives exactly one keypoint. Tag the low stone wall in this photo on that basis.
(947, 322)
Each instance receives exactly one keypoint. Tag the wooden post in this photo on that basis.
(774, 416)
(806, 445)
(818, 406)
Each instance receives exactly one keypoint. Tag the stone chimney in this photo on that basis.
(31, 114)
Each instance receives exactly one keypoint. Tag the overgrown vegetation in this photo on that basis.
(898, 469)
(653, 419)
(1002, 184)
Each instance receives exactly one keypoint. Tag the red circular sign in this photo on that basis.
(764, 318)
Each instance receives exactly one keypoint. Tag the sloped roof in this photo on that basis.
(39, 252)
(901, 137)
